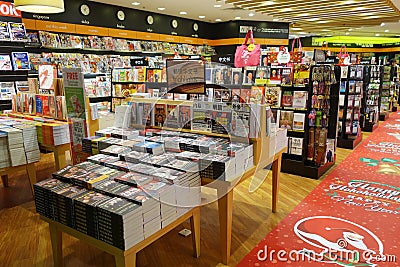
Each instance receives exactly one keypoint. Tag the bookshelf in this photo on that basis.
(385, 100)
(372, 96)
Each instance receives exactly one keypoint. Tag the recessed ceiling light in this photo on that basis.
(386, 30)
(374, 17)
(323, 21)
(366, 14)
(325, 30)
(286, 9)
(347, 33)
(275, 20)
(251, 14)
(237, 17)
(201, 17)
(303, 15)
(383, 24)
(296, 29)
(377, 34)
(302, 33)
(313, 19)
(348, 2)
(217, 6)
(350, 30)
(359, 8)
(161, 8)
(218, 20)
(135, 3)
(183, 12)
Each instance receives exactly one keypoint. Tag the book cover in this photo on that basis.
(287, 99)
(273, 96)
(20, 60)
(343, 87)
(299, 121)
(286, 78)
(39, 105)
(148, 114)
(330, 150)
(221, 122)
(46, 105)
(17, 31)
(5, 62)
(172, 116)
(300, 99)
(160, 113)
(208, 75)
(245, 95)
(286, 119)
(352, 87)
(235, 96)
(202, 120)
(262, 75)
(52, 106)
(185, 116)
(59, 107)
(237, 76)
(4, 31)
(296, 147)
(257, 95)
(249, 75)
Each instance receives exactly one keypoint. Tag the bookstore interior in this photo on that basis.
(126, 128)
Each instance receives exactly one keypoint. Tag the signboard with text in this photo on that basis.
(186, 76)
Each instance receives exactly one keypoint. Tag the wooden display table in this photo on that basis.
(225, 200)
(123, 258)
(59, 154)
(30, 169)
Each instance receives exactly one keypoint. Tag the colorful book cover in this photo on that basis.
(299, 121)
(39, 105)
(5, 62)
(273, 96)
(300, 99)
(148, 114)
(287, 99)
(257, 95)
(236, 95)
(286, 119)
(160, 113)
(20, 60)
(4, 32)
(245, 95)
(60, 107)
(46, 105)
(185, 117)
(172, 116)
(52, 106)
(237, 76)
(262, 75)
(17, 31)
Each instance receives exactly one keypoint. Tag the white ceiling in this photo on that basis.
(227, 12)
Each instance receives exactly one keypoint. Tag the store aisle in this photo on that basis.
(351, 218)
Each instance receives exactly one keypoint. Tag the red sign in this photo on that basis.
(9, 10)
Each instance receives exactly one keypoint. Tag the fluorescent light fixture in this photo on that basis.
(347, 33)
(183, 13)
(383, 24)
(217, 6)
(135, 3)
(302, 33)
(202, 17)
(359, 8)
(325, 30)
(218, 20)
(350, 30)
(161, 8)
(374, 17)
(286, 9)
(237, 17)
(386, 30)
(323, 21)
(251, 14)
(275, 20)
(313, 19)
(348, 2)
(40, 6)
(377, 34)
(297, 29)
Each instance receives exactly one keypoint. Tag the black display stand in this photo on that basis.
(371, 99)
(385, 104)
(351, 90)
(301, 165)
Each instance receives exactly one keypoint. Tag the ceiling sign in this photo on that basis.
(8, 10)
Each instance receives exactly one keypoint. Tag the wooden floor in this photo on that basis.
(25, 239)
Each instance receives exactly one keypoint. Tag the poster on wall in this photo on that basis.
(186, 76)
(76, 112)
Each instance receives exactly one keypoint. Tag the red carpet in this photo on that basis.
(351, 219)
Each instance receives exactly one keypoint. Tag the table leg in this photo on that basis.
(56, 245)
(276, 170)
(30, 168)
(225, 224)
(125, 260)
(4, 179)
(195, 226)
(59, 158)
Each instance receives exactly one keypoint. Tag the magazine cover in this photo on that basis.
(245, 95)
(237, 76)
(20, 60)
(160, 112)
(262, 75)
(249, 75)
(299, 121)
(185, 117)
(286, 119)
(273, 96)
(257, 95)
(172, 116)
(17, 31)
(5, 62)
(4, 33)
(287, 99)
(300, 99)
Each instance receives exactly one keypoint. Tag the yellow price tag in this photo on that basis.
(250, 47)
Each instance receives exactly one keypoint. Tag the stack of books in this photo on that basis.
(4, 155)
(31, 144)
(15, 146)
(55, 134)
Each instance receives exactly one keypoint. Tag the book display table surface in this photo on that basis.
(123, 258)
(225, 201)
(30, 170)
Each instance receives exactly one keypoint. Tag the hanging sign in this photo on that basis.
(8, 10)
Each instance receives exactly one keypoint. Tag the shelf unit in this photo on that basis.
(320, 121)
(385, 104)
(350, 106)
(371, 100)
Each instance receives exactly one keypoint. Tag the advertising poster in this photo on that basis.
(76, 112)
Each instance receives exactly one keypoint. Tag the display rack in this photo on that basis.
(371, 100)
(350, 106)
(320, 131)
(385, 104)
